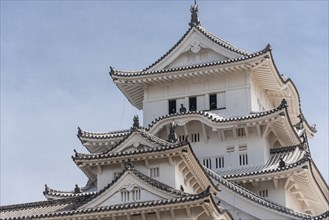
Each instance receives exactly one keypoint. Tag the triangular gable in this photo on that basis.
(132, 186)
(138, 140)
(197, 46)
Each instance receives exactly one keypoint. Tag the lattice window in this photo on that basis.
(195, 137)
(124, 196)
(241, 132)
(219, 162)
(154, 172)
(263, 193)
(136, 194)
(207, 162)
(243, 158)
(229, 149)
(181, 138)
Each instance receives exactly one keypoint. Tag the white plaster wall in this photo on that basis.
(167, 172)
(211, 147)
(236, 87)
(259, 99)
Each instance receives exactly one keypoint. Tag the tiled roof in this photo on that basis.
(169, 146)
(89, 189)
(260, 200)
(219, 119)
(292, 156)
(150, 181)
(209, 115)
(102, 135)
(206, 33)
(127, 206)
(120, 73)
(34, 209)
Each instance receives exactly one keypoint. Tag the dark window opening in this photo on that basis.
(213, 101)
(172, 106)
(192, 102)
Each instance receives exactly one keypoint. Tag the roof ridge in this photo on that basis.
(282, 105)
(254, 197)
(193, 66)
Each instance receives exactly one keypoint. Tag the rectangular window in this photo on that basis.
(136, 194)
(195, 137)
(192, 104)
(124, 196)
(181, 138)
(243, 159)
(241, 132)
(172, 106)
(154, 172)
(229, 149)
(221, 100)
(263, 193)
(213, 101)
(243, 148)
(219, 162)
(207, 162)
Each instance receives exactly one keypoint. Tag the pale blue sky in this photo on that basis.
(55, 58)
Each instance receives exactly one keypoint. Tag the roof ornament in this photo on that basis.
(172, 136)
(77, 189)
(136, 122)
(129, 165)
(282, 164)
(194, 15)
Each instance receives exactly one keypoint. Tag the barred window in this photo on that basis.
(219, 162)
(154, 172)
(207, 162)
(243, 159)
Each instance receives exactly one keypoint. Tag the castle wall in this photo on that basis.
(232, 94)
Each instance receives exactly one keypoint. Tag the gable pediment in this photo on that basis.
(128, 188)
(195, 48)
(138, 140)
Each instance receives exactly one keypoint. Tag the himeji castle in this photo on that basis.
(223, 137)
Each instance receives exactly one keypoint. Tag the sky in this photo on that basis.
(55, 59)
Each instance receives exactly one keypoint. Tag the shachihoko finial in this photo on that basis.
(194, 15)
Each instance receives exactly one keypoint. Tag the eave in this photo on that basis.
(132, 83)
(276, 120)
(182, 153)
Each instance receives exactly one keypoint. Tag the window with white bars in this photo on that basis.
(263, 193)
(124, 196)
(243, 148)
(241, 132)
(195, 137)
(181, 138)
(243, 159)
(136, 194)
(229, 149)
(154, 172)
(207, 162)
(219, 162)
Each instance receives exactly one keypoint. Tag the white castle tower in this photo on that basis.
(223, 137)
